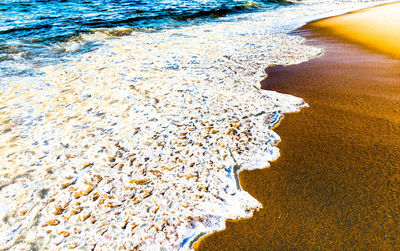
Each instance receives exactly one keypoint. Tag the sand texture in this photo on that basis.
(336, 184)
(376, 28)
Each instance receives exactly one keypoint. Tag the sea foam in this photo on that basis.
(138, 144)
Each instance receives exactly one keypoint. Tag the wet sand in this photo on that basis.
(337, 182)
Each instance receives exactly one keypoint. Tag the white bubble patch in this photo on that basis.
(138, 144)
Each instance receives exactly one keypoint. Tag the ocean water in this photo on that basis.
(124, 124)
(37, 33)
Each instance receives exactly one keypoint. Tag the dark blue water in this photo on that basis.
(33, 31)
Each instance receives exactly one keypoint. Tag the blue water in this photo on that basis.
(33, 31)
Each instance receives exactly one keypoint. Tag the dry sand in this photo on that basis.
(376, 28)
(337, 182)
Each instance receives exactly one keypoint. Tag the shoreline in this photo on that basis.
(134, 141)
(334, 185)
(135, 145)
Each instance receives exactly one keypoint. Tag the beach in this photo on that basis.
(336, 183)
(125, 126)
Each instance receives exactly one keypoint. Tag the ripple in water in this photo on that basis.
(34, 32)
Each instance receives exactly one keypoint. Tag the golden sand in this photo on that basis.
(336, 184)
(376, 28)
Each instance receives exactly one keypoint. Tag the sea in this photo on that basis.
(124, 124)
(42, 32)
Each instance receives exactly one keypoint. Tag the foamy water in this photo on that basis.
(137, 145)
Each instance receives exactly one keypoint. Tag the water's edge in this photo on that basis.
(194, 244)
(147, 133)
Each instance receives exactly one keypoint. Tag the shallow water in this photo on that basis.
(36, 32)
(138, 142)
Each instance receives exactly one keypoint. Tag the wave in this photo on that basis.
(49, 31)
(135, 18)
(140, 141)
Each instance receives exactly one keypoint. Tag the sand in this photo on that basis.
(377, 28)
(337, 182)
